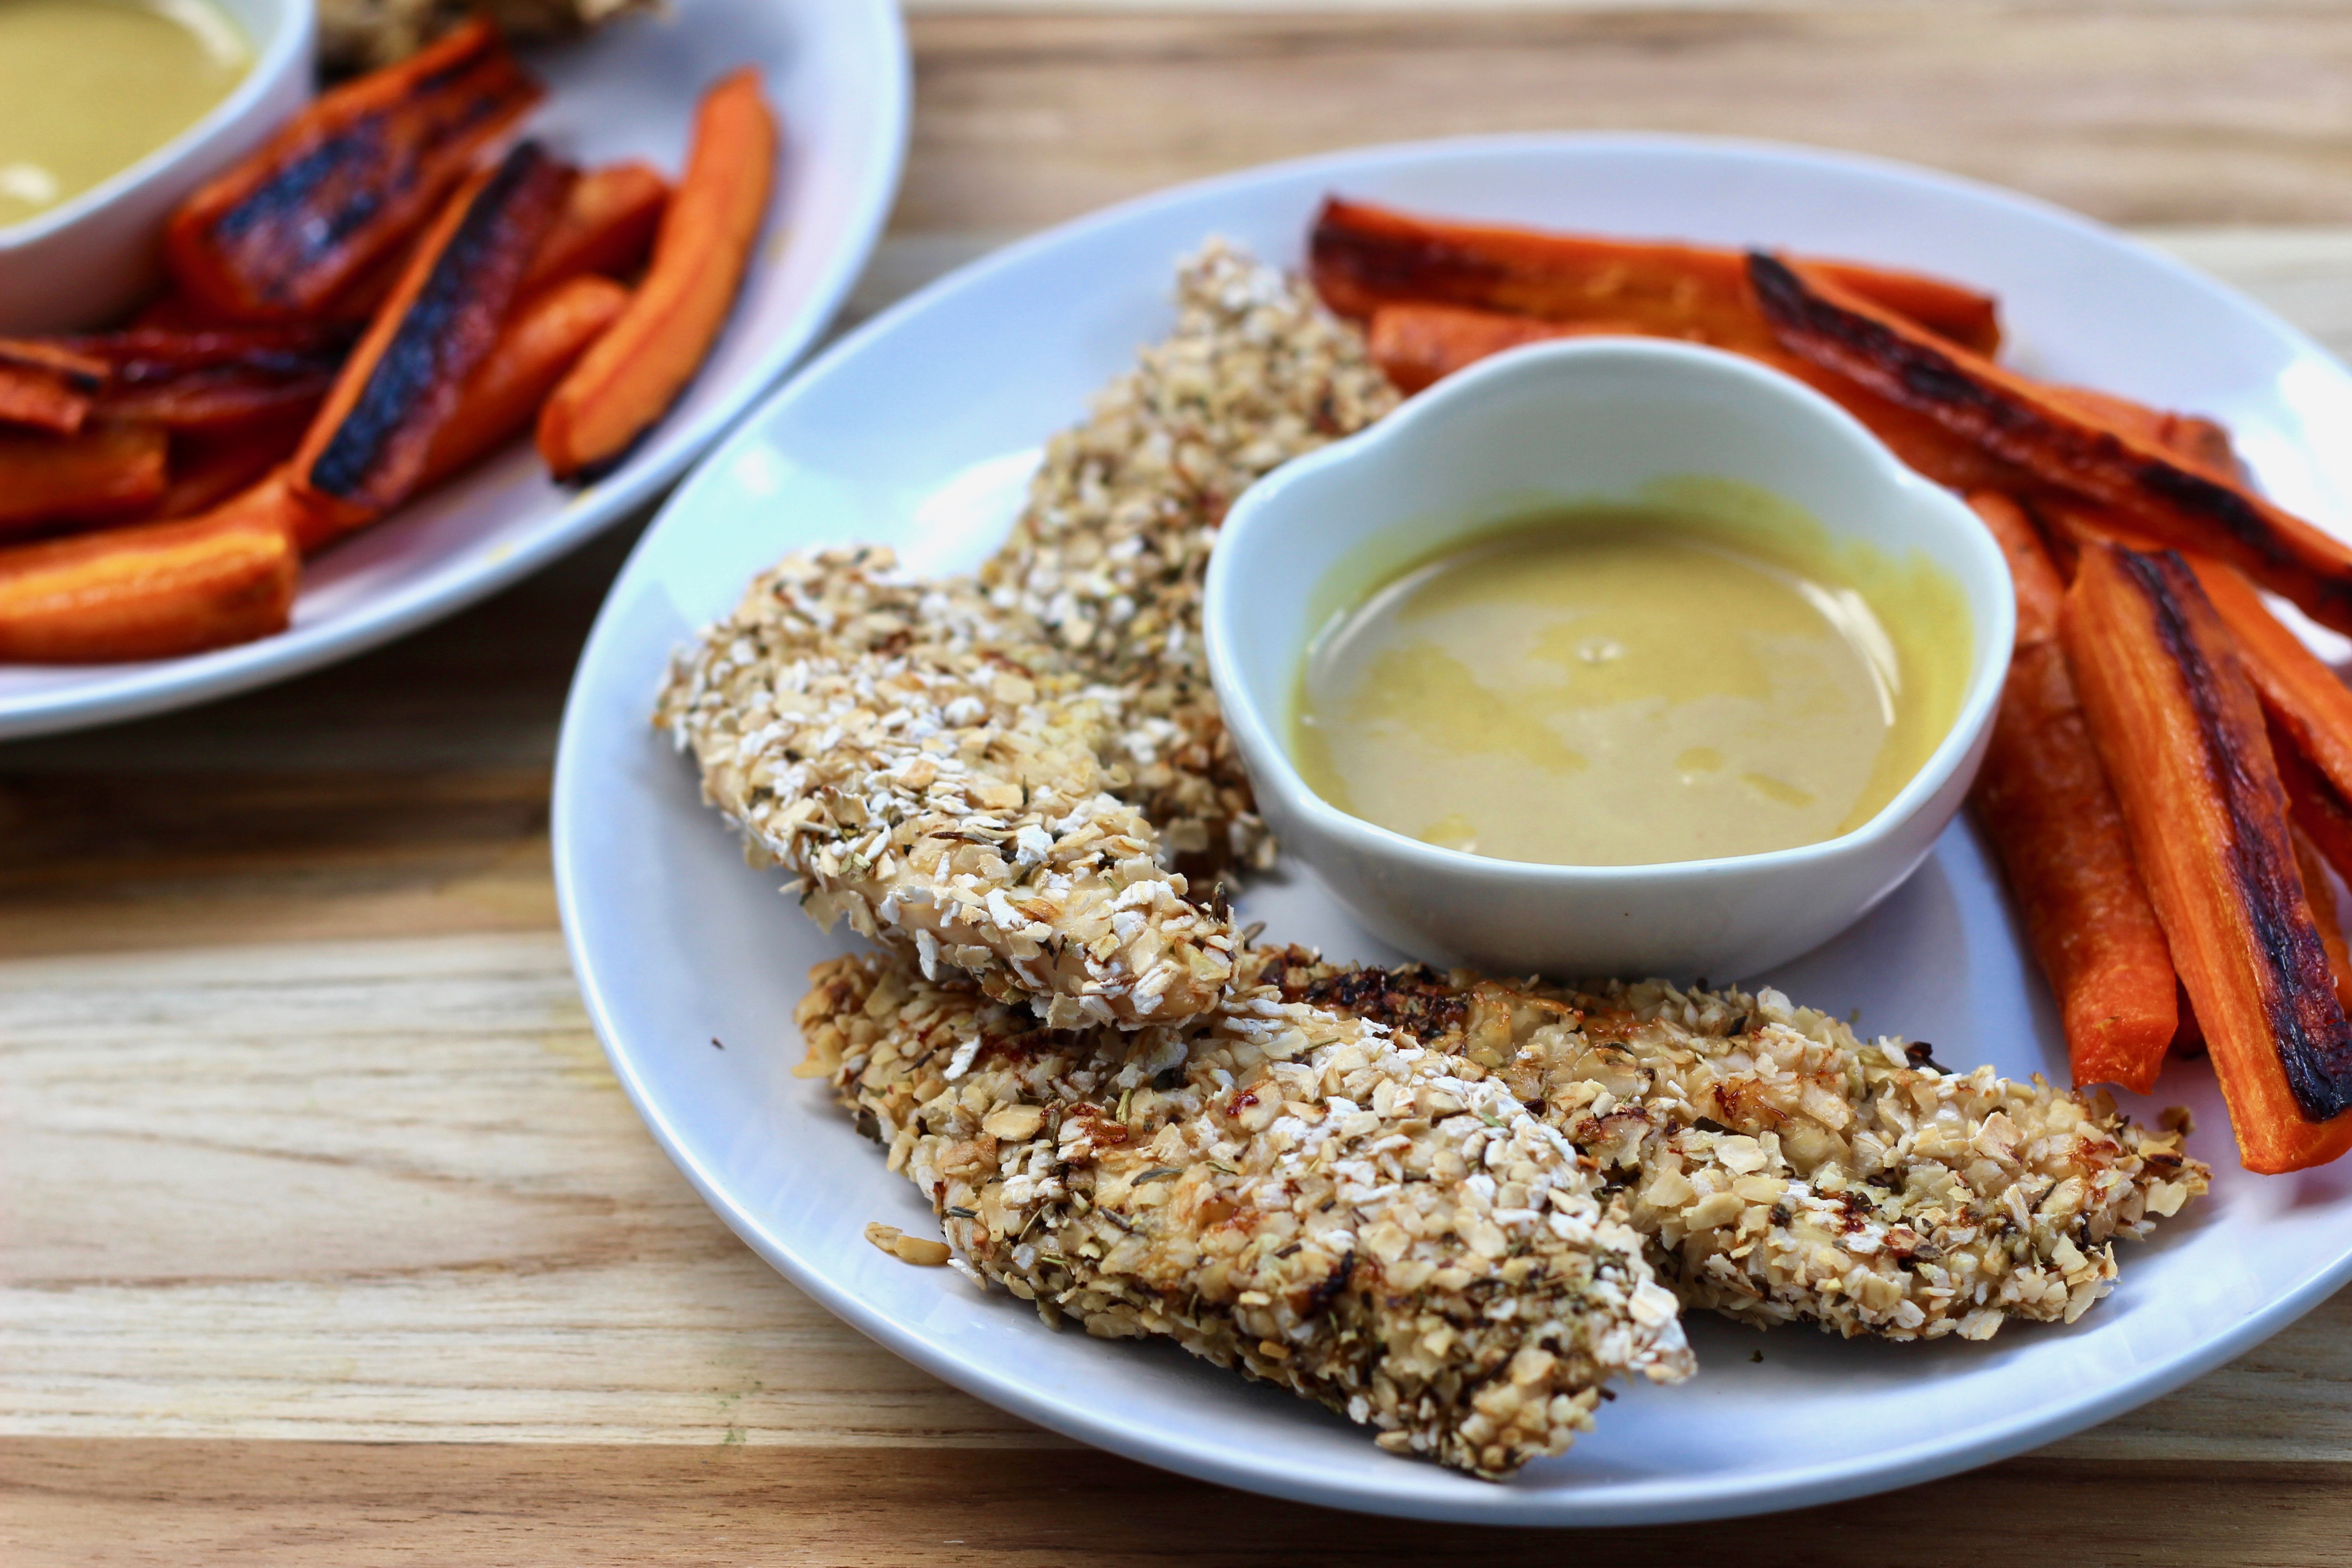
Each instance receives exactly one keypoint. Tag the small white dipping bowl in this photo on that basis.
(85, 262)
(1593, 420)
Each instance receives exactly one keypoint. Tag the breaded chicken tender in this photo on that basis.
(922, 765)
(1785, 1171)
(1285, 1189)
(1007, 778)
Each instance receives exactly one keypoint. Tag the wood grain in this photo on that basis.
(2195, 112)
(355, 1506)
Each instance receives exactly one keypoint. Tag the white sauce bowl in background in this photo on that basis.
(86, 261)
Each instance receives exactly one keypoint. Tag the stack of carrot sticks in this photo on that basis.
(387, 291)
(2170, 778)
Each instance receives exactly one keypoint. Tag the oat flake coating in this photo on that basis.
(1011, 779)
(1284, 1189)
(922, 765)
(1785, 1171)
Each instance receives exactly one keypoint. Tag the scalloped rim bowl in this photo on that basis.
(1590, 419)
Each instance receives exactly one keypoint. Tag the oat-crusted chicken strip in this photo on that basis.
(1281, 1189)
(923, 767)
(1111, 551)
(1785, 1171)
(1008, 779)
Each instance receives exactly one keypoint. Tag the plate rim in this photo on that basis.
(143, 688)
(1656, 1501)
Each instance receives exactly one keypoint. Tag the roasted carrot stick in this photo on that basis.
(2040, 591)
(345, 182)
(629, 379)
(2202, 441)
(2150, 488)
(1417, 342)
(2046, 805)
(2305, 698)
(151, 591)
(2322, 813)
(2321, 893)
(209, 467)
(1362, 256)
(47, 386)
(107, 470)
(2180, 730)
(544, 339)
(199, 380)
(366, 450)
(607, 226)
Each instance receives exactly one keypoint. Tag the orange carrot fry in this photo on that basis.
(108, 471)
(2321, 893)
(607, 226)
(345, 182)
(1362, 256)
(2201, 441)
(2046, 805)
(544, 339)
(2180, 730)
(367, 449)
(1416, 342)
(2304, 698)
(2064, 447)
(629, 379)
(151, 591)
(210, 466)
(2041, 592)
(47, 386)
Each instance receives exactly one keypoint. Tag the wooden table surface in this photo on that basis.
(325, 1234)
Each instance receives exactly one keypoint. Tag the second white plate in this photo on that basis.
(918, 431)
(837, 72)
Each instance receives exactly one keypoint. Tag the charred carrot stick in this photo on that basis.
(2040, 591)
(151, 591)
(544, 339)
(2322, 813)
(107, 470)
(1362, 256)
(2150, 488)
(2046, 805)
(1417, 342)
(209, 467)
(47, 386)
(608, 226)
(2305, 698)
(345, 182)
(629, 379)
(2307, 706)
(367, 449)
(2180, 730)
(197, 380)
(2321, 893)
(2202, 441)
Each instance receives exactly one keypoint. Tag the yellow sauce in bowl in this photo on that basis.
(1632, 686)
(88, 87)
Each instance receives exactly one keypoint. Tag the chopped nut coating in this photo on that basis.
(1281, 1189)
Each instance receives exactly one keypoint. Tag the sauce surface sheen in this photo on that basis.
(1631, 687)
(88, 87)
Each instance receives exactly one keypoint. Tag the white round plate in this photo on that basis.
(918, 431)
(837, 72)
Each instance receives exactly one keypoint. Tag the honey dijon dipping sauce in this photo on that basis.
(88, 87)
(1632, 686)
